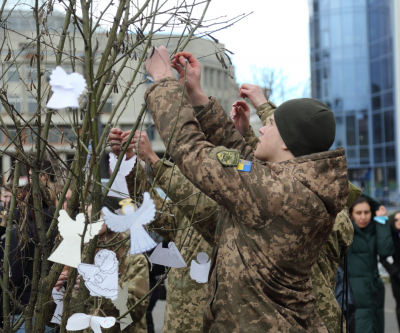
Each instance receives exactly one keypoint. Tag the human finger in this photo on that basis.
(243, 92)
(189, 56)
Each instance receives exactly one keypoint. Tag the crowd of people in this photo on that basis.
(276, 214)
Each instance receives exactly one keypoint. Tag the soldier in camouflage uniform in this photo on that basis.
(274, 220)
(185, 297)
(341, 237)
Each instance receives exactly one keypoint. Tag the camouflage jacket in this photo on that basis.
(332, 253)
(185, 297)
(273, 220)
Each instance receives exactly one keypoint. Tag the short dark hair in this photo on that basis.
(358, 201)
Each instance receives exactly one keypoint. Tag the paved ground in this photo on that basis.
(390, 314)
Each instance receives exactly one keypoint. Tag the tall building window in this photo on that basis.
(31, 135)
(108, 107)
(32, 105)
(12, 74)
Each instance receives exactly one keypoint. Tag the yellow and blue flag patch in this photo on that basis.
(244, 166)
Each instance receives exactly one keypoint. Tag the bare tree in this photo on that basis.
(102, 40)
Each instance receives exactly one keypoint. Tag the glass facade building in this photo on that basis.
(352, 71)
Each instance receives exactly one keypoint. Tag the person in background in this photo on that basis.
(5, 200)
(372, 237)
(185, 297)
(24, 238)
(392, 263)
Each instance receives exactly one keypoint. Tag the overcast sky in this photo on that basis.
(275, 35)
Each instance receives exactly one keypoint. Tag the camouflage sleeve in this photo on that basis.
(214, 169)
(222, 132)
(165, 223)
(251, 138)
(185, 195)
(136, 272)
(265, 111)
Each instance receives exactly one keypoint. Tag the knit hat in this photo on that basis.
(306, 126)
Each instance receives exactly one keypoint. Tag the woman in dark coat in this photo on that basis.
(392, 263)
(371, 239)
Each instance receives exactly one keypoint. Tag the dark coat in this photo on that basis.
(21, 259)
(368, 288)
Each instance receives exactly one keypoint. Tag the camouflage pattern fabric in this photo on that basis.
(339, 241)
(273, 222)
(185, 297)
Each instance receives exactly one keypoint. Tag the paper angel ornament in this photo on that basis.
(101, 278)
(120, 304)
(170, 257)
(199, 272)
(134, 221)
(66, 89)
(119, 184)
(58, 297)
(80, 321)
(69, 250)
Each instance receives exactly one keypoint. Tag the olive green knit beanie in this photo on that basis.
(306, 126)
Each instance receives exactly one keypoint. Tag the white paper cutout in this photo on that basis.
(120, 304)
(58, 297)
(140, 239)
(199, 272)
(101, 278)
(119, 183)
(69, 251)
(80, 321)
(66, 89)
(169, 257)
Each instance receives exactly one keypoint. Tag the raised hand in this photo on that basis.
(159, 65)
(253, 93)
(240, 115)
(116, 139)
(193, 76)
(141, 143)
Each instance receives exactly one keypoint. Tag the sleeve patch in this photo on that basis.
(225, 156)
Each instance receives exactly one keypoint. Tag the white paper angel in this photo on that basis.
(134, 221)
(58, 297)
(199, 272)
(69, 250)
(66, 89)
(170, 257)
(101, 278)
(120, 304)
(119, 184)
(80, 321)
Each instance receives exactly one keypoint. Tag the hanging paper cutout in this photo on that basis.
(80, 321)
(58, 297)
(199, 272)
(169, 257)
(119, 183)
(69, 250)
(120, 304)
(66, 89)
(134, 221)
(101, 278)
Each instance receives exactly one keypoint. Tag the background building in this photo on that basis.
(18, 77)
(355, 67)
